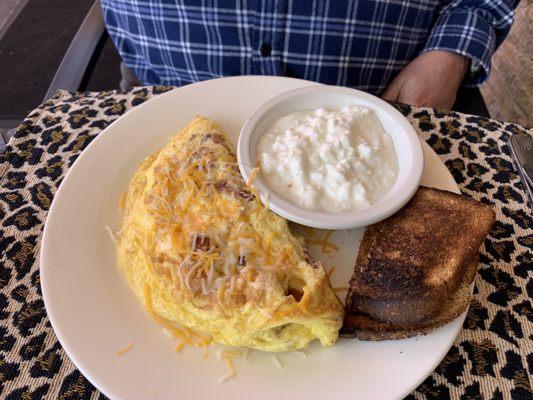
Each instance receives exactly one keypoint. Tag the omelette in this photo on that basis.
(201, 251)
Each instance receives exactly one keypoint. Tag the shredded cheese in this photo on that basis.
(111, 234)
(231, 371)
(182, 335)
(226, 377)
(252, 176)
(324, 243)
(200, 182)
(276, 362)
(229, 353)
(340, 289)
(217, 249)
(229, 363)
(300, 354)
(176, 332)
(205, 342)
(266, 204)
(122, 201)
(247, 355)
(125, 350)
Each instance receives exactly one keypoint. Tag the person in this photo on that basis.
(417, 52)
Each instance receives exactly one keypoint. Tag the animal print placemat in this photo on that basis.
(492, 357)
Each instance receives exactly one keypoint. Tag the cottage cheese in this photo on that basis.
(329, 160)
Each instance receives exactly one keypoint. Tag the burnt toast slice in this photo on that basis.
(364, 327)
(410, 264)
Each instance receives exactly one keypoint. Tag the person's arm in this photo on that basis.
(462, 41)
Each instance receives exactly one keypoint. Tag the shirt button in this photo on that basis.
(265, 49)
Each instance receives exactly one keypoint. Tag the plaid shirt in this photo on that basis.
(355, 43)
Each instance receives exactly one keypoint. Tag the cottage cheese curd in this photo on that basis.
(329, 160)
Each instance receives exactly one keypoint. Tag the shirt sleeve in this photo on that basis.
(474, 29)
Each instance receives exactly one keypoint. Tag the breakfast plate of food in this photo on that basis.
(184, 254)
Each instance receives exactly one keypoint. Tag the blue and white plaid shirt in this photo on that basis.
(355, 43)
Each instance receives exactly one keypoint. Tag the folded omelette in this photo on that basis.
(199, 249)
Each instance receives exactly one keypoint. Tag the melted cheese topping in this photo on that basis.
(202, 251)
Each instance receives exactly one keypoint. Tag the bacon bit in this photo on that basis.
(125, 350)
(246, 195)
(222, 186)
(214, 137)
(202, 243)
(179, 347)
(242, 260)
(202, 152)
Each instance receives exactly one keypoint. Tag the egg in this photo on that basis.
(200, 250)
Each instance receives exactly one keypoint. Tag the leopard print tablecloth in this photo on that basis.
(491, 359)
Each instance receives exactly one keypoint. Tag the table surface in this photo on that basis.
(491, 358)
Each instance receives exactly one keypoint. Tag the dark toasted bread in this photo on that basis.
(410, 264)
(364, 327)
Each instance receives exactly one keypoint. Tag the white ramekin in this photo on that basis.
(406, 143)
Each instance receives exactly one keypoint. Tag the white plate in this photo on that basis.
(94, 313)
